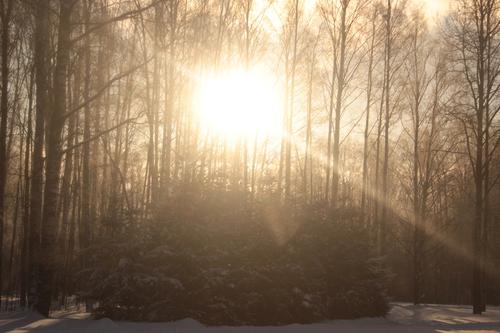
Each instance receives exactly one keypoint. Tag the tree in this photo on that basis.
(342, 22)
(369, 88)
(474, 31)
(55, 125)
(5, 14)
(426, 90)
(41, 58)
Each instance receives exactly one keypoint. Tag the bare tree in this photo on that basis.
(5, 14)
(474, 32)
(55, 127)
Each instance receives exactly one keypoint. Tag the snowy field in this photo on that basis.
(402, 318)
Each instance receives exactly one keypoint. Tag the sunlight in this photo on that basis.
(434, 8)
(239, 103)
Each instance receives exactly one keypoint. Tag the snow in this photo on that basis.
(402, 318)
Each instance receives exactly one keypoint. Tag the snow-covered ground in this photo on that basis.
(402, 318)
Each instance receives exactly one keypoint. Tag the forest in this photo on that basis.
(249, 161)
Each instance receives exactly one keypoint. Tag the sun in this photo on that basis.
(239, 103)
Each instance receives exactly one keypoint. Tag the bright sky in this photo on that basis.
(238, 103)
(434, 8)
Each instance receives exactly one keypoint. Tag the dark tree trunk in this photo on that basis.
(5, 16)
(26, 213)
(385, 168)
(41, 37)
(54, 150)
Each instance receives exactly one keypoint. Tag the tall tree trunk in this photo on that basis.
(417, 90)
(482, 15)
(364, 190)
(15, 218)
(41, 42)
(289, 132)
(330, 127)
(416, 204)
(338, 102)
(5, 16)
(27, 188)
(53, 147)
(170, 93)
(307, 158)
(376, 188)
(385, 168)
(86, 220)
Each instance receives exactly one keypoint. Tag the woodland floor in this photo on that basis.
(402, 318)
